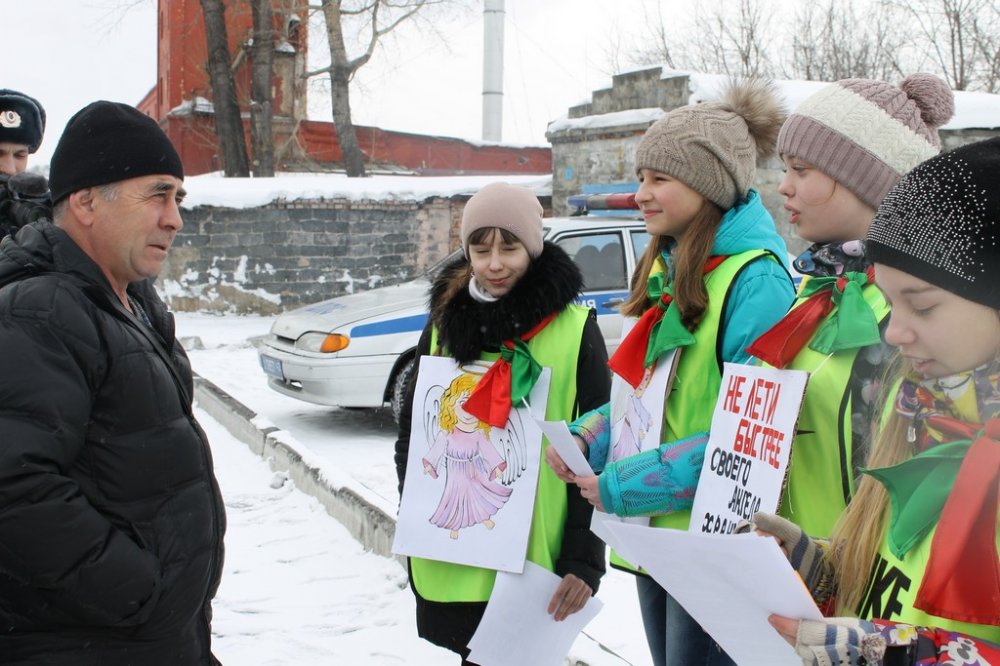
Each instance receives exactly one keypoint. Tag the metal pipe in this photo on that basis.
(493, 21)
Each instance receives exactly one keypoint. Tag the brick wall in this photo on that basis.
(283, 255)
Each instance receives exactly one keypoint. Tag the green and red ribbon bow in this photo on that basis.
(508, 381)
(955, 486)
(658, 330)
(852, 326)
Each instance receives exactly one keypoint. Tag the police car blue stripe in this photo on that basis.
(390, 326)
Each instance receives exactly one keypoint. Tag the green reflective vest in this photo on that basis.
(557, 346)
(695, 390)
(821, 472)
(893, 589)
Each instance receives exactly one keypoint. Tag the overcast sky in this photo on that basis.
(68, 53)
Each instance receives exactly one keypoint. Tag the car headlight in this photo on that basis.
(322, 342)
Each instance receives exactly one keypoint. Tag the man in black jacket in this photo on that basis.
(111, 522)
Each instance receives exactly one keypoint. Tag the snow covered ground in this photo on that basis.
(297, 589)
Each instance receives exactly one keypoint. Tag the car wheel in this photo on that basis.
(399, 385)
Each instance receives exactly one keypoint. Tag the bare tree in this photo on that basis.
(262, 73)
(228, 123)
(657, 45)
(718, 40)
(733, 43)
(366, 22)
(832, 41)
(986, 37)
(947, 29)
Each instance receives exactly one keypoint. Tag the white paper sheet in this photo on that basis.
(729, 583)
(599, 525)
(516, 629)
(562, 440)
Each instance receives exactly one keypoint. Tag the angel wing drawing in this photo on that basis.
(479, 466)
(510, 441)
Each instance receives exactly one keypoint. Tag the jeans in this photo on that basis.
(674, 638)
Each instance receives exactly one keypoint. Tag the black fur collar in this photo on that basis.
(467, 327)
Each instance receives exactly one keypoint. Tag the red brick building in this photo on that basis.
(181, 102)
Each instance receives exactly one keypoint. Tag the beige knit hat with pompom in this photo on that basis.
(713, 147)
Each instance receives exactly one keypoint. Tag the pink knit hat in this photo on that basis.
(866, 134)
(505, 206)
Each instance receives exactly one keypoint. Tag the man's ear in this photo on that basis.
(81, 203)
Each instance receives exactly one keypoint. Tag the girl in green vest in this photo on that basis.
(713, 278)
(512, 290)
(843, 148)
(918, 542)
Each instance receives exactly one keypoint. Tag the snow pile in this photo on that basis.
(214, 190)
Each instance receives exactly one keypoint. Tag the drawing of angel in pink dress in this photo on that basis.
(634, 423)
(473, 468)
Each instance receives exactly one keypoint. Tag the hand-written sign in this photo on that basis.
(749, 447)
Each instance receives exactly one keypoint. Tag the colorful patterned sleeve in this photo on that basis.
(657, 481)
(594, 428)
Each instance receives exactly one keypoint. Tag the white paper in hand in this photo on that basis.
(516, 629)
(562, 440)
(729, 584)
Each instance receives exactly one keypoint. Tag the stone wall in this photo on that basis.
(283, 255)
(286, 254)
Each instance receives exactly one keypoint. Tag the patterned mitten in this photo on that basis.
(839, 641)
(807, 555)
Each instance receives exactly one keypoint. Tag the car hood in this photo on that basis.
(407, 299)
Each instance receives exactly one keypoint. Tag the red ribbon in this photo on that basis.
(962, 580)
(782, 342)
(629, 360)
(490, 401)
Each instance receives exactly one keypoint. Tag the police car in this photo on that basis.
(359, 350)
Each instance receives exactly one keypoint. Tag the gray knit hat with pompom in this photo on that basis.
(713, 147)
(866, 134)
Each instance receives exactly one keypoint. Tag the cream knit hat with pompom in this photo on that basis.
(866, 134)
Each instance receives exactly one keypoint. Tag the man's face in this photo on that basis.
(133, 229)
(13, 158)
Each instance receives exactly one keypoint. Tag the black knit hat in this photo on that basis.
(941, 223)
(107, 142)
(22, 119)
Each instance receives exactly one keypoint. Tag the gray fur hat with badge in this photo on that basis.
(22, 119)
(713, 147)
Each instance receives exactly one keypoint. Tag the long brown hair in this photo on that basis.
(690, 253)
(861, 528)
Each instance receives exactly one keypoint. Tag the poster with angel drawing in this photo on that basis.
(470, 488)
(637, 412)
(636, 422)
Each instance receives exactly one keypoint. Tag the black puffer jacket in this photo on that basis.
(111, 521)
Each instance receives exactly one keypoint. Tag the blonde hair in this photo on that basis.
(690, 253)
(861, 529)
(464, 383)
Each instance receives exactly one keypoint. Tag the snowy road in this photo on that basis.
(297, 589)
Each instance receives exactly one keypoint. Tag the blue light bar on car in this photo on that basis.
(617, 201)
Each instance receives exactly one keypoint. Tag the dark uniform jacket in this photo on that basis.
(111, 521)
